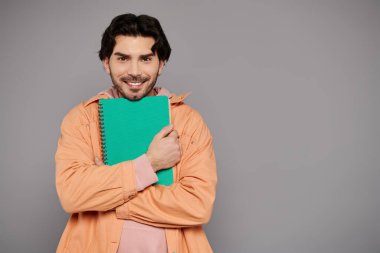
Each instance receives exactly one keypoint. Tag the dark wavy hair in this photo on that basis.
(132, 25)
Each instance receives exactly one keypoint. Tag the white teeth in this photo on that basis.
(134, 84)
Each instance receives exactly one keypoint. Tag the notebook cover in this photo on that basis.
(128, 127)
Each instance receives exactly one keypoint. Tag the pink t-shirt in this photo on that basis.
(137, 237)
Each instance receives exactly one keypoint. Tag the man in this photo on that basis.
(117, 208)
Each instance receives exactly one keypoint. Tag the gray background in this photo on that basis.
(289, 90)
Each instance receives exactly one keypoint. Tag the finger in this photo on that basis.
(174, 134)
(164, 132)
(98, 162)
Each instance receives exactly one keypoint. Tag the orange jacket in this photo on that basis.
(100, 198)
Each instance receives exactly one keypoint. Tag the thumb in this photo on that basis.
(164, 132)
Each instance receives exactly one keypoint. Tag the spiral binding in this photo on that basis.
(102, 132)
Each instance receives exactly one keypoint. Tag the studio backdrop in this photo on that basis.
(289, 90)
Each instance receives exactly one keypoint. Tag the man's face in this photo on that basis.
(133, 66)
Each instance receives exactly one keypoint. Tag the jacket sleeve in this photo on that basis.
(189, 201)
(81, 185)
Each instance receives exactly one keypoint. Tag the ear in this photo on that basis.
(106, 65)
(161, 67)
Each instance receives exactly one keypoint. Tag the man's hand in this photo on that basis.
(164, 151)
(98, 161)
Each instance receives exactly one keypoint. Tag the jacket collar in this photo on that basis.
(112, 93)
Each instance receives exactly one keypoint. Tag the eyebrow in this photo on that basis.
(141, 56)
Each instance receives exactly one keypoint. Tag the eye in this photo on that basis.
(122, 58)
(146, 58)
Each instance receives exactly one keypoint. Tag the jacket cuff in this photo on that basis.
(145, 175)
(128, 180)
(122, 212)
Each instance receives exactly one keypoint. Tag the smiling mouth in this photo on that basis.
(134, 85)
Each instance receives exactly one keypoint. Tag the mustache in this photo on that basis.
(135, 79)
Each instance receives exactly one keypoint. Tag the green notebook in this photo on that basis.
(128, 127)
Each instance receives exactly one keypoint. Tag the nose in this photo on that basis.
(134, 69)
